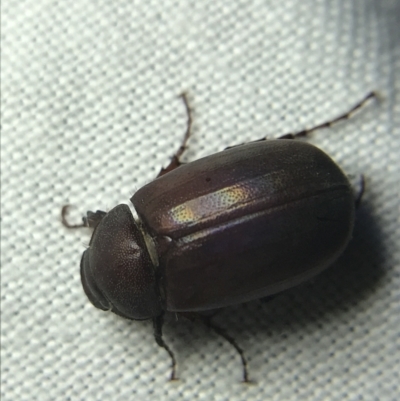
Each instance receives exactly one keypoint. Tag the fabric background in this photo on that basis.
(90, 113)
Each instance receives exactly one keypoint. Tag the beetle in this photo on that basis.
(246, 223)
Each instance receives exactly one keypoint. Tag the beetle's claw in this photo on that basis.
(65, 222)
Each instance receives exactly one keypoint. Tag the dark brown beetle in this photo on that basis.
(241, 224)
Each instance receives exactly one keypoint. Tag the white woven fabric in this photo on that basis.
(90, 113)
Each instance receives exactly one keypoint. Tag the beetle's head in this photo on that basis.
(116, 270)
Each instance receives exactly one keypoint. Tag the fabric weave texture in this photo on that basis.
(90, 112)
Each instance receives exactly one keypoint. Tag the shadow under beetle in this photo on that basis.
(241, 224)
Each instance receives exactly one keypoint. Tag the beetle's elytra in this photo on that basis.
(241, 224)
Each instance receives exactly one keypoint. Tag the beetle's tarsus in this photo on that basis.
(64, 212)
(328, 124)
(175, 162)
(220, 331)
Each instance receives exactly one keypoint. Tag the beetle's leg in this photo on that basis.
(361, 191)
(91, 220)
(157, 327)
(220, 331)
(327, 124)
(175, 162)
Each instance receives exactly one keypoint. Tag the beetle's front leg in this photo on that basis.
(157, 327)
(91, 220)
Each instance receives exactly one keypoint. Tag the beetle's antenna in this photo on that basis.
(91, 220)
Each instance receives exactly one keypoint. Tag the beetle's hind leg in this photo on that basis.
(175, 162)
(91, 220)
(327, 124)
